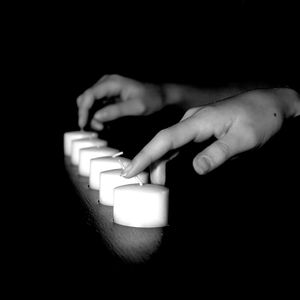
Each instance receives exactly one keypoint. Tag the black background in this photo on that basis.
(237, 222)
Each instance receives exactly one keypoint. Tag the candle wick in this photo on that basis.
(118, 154)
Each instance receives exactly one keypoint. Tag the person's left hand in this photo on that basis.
(136, 98)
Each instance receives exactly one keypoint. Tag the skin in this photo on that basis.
(135, 99)
(240, 122)
(138, 98)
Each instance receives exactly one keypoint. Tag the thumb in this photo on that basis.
(217, 153)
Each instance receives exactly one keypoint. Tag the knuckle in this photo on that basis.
(103, 77)
(87, 99)
(140, 107)
(192, 110)
(165, 138)
(87, 94)
(189, 112)
(115, 77)
(207, 113)
(206, 110)
(101, 80)
(164, 134)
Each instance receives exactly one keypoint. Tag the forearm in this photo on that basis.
(188, 96)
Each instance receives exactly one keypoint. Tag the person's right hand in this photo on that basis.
(239, 124)
(136, 98)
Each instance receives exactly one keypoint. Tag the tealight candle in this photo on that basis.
(75, 135)
(102, 164)
(77, 145)
(112, 179)
(138, 205)
(86, 154)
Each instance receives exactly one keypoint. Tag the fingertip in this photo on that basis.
(158, 173)
(125, 172)
(96, 125)
(202, 164)
(100, 115)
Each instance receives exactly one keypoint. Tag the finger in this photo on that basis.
(110, 86)
(107, 88)
(96, 125)
(103, 78)
(158, 172)
(189, 113)
(78, 100)
(111, 112)
(168, 139)
(218, 152)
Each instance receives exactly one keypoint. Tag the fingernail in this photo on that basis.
(125, 171)
(203, 164)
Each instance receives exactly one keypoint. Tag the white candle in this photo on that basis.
(77, 145)
(102, 164)
(141, 205)
(86, 154)
(74, 135)
(111, 179)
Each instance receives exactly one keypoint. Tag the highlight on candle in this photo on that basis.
(79, 144)
(141, 205)
(87, 154)
(112, 179)
(75, 135)
(102, 164)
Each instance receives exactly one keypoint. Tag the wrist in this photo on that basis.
(171, 93)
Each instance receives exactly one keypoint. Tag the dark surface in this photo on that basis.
(236, 225)
(239, 220)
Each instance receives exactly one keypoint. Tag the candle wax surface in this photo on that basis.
(112, 179)
(102, 164)
(86, 154)
(75, 135)
(141, 206)
(79, 144)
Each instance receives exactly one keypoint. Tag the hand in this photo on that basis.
(136, 99)
(239, 124)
